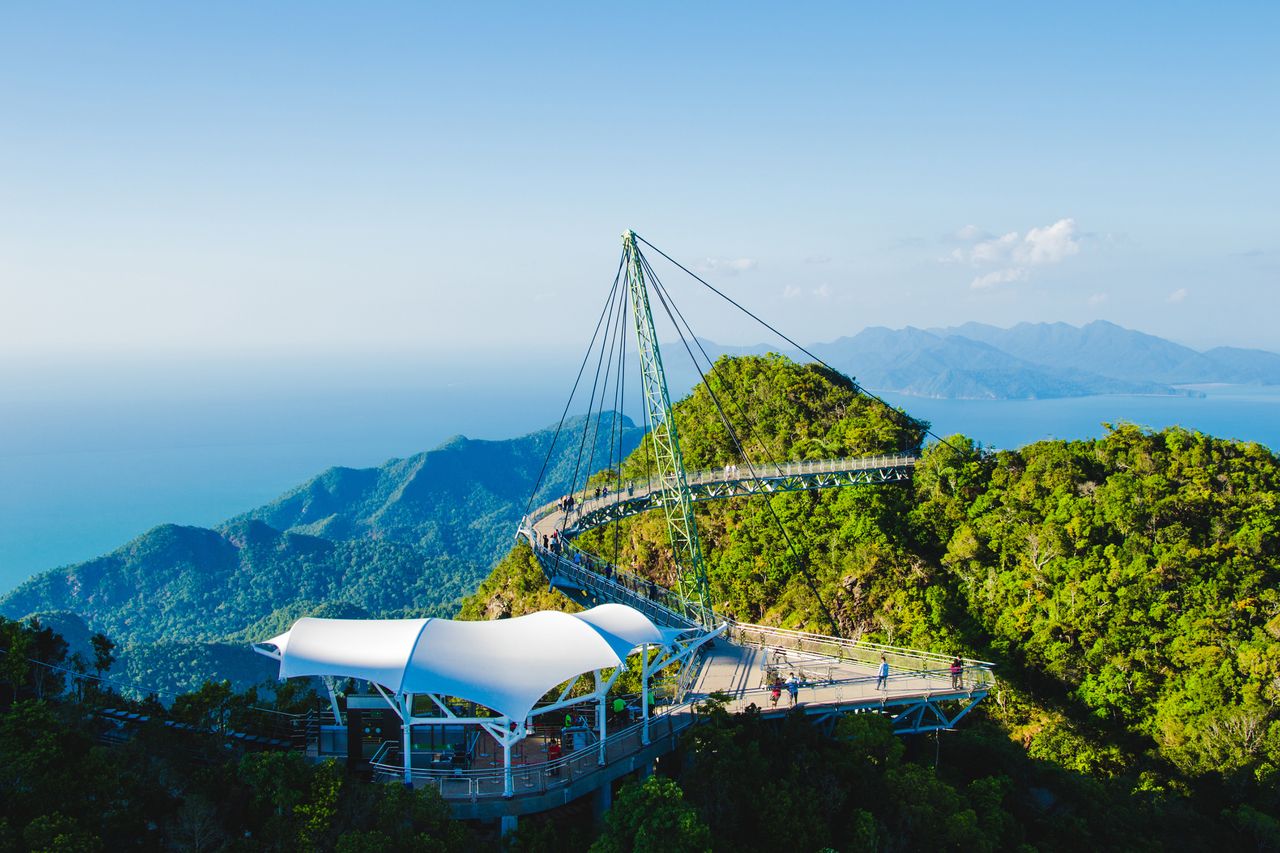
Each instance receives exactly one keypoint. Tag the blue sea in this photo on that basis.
(89, 461)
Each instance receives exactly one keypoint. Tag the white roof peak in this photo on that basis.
(506, 664)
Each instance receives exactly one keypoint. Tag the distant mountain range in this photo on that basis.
(1030, 361)
(409, 538)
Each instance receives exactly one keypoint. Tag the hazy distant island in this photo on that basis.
(1030, 361)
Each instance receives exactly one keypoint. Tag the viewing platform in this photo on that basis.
(835, 677)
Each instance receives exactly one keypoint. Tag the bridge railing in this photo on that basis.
(653, 600)
(539, 777)
(856, 652)
(863, 690)
(585, 499)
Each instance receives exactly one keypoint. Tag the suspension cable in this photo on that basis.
(586, 427)
(856, 385)
(581, 368)
(659, 291)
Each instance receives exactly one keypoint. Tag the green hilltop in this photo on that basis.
(1127, 587)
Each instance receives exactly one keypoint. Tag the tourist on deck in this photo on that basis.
(545, 544)
(631, 488)
(619, 708)
(568, 720)
(554, 753)
(793, 687)
(882, 677)
(775, 693)
(957, 674)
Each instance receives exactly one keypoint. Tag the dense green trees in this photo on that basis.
(63, 788)
(652, 817)
(1128, 588)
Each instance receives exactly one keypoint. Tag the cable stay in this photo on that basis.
(598, 460)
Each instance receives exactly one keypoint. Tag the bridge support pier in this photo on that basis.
(507, 824)
(602, 801)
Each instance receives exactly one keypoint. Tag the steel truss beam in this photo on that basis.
(910, 714)
(927, 716)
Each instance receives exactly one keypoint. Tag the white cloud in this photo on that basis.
(1049, 245)
(1014, 255)
(969, 233)
(790, 292)
(1178, 295)
(995, 277)
(822, 291)
(1098, 299)
(728, 266)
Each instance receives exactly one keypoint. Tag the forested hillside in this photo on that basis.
(1126, 587)
(410, 538)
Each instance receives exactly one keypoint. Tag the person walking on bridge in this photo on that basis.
(957, 673)
(793, 687)
(882, 677)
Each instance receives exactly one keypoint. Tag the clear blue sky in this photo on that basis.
(255, 177)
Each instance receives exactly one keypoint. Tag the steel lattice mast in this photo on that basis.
(676, 499)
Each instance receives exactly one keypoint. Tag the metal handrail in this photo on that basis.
(722, 475)
(866, 687)
(854, 650)
(621, 585)
(537, 777)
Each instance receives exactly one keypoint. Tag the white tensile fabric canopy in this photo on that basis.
(505, 664)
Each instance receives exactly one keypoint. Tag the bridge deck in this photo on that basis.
(836, 675)
(826, 682)
(720, 483)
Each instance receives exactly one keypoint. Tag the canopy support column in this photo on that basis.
(602, 694)
(602, 698)
(333, 699)
(644, 693)
(406, 717)
(508, 785)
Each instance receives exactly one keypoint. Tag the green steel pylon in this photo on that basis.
(676, 500)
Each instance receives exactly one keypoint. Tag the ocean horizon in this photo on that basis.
(80, 480)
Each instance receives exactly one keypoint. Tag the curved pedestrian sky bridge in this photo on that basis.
(495, 714)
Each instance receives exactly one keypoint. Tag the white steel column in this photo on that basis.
(406, 719)
(602, 695)
(333, 700)
(508, 786)
(644, 693)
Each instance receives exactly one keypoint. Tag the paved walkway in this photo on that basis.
(742, 673)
